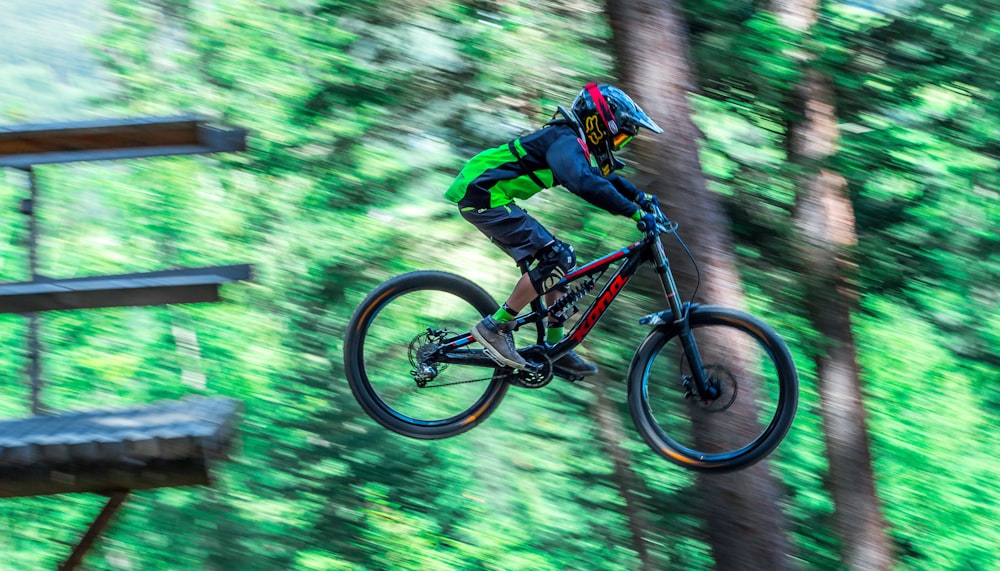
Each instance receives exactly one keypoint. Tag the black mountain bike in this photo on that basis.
(710, 388)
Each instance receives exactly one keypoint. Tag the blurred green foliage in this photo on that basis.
(360, 114)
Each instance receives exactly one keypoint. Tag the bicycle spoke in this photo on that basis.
(397, 334)
(757, 397)
(748, 395)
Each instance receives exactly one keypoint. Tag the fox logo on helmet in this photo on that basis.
(592, 128)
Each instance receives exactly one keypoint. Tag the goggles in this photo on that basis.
(620, 140)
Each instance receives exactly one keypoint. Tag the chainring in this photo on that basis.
(533, 379)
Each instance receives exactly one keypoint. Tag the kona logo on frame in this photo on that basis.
(589, 320)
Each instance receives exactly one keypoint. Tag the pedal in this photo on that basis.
(567, 375)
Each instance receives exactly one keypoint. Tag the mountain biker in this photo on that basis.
(576, 150)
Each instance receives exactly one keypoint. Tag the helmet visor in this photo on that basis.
(643, 120)
(632, 113)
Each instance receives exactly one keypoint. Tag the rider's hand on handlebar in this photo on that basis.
(647, 223)
(647, 202)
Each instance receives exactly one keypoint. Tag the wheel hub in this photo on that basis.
(723, 382)
(421, 349)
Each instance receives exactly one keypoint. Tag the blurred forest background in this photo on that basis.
(852, 147)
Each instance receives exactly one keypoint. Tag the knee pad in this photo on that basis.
(552, 263)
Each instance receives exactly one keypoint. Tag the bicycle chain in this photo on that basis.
(506, 377)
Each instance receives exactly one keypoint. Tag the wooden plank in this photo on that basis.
(22, 146)
(188, 285)
(164, 444)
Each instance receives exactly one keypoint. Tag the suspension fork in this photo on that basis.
(706, 390)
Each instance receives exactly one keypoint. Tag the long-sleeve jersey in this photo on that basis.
(551, 156)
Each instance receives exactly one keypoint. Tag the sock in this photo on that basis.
(504, 314)
(553, 335)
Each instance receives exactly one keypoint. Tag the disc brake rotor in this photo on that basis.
(727, 386)
(421, 348)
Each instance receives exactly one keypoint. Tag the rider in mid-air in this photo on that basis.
(575, 150)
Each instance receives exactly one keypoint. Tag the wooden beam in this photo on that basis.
(188, 285)
(94, 531)
(22, 146)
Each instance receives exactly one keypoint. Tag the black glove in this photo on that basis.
(647, 223)
(647, 202)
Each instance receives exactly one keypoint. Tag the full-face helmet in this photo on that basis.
(609, 119)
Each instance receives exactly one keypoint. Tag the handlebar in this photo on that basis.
(663, 224)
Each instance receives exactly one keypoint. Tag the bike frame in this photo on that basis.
(631, 256)
(649, 249)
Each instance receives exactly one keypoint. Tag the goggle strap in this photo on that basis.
(603, 108)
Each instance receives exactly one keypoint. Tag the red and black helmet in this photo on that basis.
(609, 119)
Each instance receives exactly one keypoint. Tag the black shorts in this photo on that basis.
(511, 228)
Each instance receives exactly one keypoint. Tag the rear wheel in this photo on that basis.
(388, 339)
(754, 374)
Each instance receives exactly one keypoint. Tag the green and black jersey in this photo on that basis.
(521, 168)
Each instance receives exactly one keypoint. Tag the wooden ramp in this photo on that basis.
(158, 445)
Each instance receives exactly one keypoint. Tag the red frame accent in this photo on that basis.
(598, 262)
(590, 319)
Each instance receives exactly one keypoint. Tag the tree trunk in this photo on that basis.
(612, 434)
(825, 219)
(744, 521)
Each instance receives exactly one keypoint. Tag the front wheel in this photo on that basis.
(386, 348)
(755, 378)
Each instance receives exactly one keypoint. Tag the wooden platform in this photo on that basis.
(189, 285)
(111, 452)
(164, 444)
